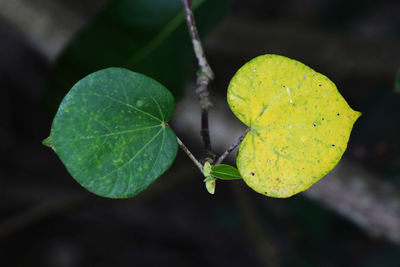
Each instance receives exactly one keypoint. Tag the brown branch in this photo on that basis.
(232, 147)
(190, 155)
(204, 76)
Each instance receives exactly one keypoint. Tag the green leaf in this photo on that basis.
(397, 82)
(110, 132)
(225, 172)
(209, 180)
(300, 124)
(146, 36)
(207, 169)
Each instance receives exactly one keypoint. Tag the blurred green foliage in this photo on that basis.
(146, 36)
(397, 82)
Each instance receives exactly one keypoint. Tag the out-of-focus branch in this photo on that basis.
(25, 219)
(48, 25)
(361, 197)
(337, 52)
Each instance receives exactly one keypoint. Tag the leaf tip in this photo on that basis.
(48, 142)
(357, 115)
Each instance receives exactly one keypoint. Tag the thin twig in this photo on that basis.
(197, 47)
(204, 76)
(232, 147)
(190, 155)
(27, 218)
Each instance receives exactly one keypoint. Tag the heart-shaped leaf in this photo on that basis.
(300, 124)
(110, 132)
(225, 172)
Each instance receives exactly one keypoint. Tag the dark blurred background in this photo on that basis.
(349, 218)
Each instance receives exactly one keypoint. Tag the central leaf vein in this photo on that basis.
(112, 134)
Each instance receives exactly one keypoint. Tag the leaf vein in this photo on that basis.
(137, 153)
(112, 134)
(154, 100)
(123, 103)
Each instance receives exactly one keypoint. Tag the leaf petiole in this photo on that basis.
(190, 155)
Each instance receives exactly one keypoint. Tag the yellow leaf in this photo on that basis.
(300, 124)
(210, 185)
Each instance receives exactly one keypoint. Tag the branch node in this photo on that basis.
(204, 76)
